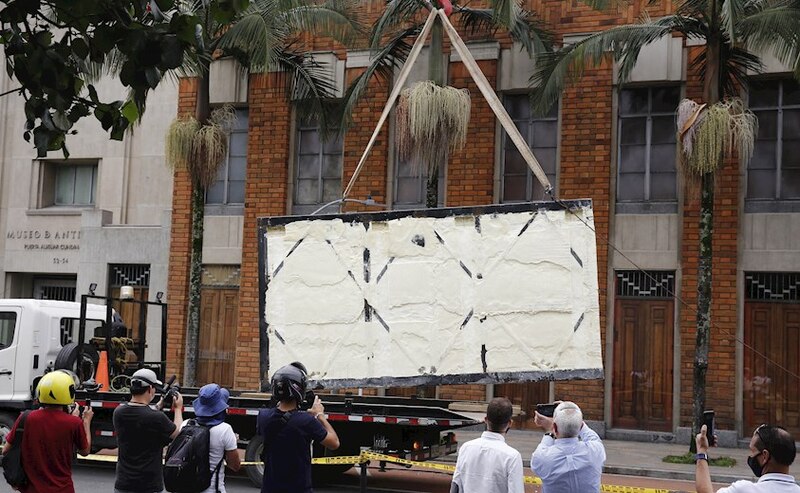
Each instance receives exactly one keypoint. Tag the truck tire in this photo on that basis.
(6, 423)
(253, 454)
(67, 359)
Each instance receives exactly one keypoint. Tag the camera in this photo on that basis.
(169, 390)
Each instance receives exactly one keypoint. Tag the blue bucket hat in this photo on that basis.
(210, 403)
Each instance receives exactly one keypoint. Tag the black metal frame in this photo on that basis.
(142, 328)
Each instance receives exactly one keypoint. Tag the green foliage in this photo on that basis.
(201, 149)
(49, 44)
(688, 458)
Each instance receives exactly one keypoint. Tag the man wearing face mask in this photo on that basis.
(772, 451)
(487, 464)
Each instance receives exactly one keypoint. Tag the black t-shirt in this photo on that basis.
(142, 434)
(287, 449)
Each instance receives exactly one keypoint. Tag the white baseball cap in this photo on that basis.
(147, 377)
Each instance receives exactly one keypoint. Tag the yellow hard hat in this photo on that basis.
(56, 388)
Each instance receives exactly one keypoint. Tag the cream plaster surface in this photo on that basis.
(425, 307)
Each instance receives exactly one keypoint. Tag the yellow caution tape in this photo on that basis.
(367, 456)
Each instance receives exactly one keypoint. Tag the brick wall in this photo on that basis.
(180, 247)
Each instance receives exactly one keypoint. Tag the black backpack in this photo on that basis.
(12, 461)
(186, 467)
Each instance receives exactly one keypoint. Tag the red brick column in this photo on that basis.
(180, 246)
(372, 179)
(265, 195)
(586, 115)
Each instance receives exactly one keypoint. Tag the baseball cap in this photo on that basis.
(147, 377)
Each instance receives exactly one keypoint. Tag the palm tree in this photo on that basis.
(736, 34)
(267, 36)
(389, 40)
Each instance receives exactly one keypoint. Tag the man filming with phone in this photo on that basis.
(772, 451)
(288, 432)
(570, 456)
(142, 434)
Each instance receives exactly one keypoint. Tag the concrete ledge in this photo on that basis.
(641, 436)
(666, 474)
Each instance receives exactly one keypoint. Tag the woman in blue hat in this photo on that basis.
(210, 409)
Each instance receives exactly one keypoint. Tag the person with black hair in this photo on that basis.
(487, 464)
(288, 432)
(772, 451)
(142, 434)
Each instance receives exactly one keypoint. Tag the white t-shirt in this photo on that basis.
(222, 439)
(771, 482)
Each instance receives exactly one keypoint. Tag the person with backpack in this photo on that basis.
(49, 437)
(142, 433)
(195, 461)
(287, 432)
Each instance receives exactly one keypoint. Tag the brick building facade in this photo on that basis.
(611, 142)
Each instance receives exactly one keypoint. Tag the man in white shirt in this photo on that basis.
(570, 456)
(772, 451)
(487, 464)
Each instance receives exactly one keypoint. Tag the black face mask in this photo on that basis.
(752, 461)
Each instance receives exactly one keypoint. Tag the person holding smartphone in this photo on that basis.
(567, 437)
(772, 451)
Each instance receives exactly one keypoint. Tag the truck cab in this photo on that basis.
(35, 335)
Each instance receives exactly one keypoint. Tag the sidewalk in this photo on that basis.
(635, 458)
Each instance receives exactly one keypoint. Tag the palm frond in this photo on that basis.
(383, 63)
(697, 9)
(772, 28)
(311, 87)
(337, 19)
(730, 13)
(526, 30)
(394, 16)
(735, 65)
(555, 71)
(253, 38)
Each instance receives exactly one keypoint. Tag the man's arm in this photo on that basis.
(593, 441)
(177, 409)
(516, 483)
(331, 440)
(702, 475)
(539, 459)
(86, 428)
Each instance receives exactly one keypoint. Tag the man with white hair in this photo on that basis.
(570, 457)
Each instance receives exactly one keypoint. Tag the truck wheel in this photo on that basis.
(67, 359)
(6, 423)
(253, 454)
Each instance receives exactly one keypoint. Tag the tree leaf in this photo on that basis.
(130, 111)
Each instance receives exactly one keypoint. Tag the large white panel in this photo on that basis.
(492, 294)
(661, 60)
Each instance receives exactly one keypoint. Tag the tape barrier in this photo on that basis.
(367, 456)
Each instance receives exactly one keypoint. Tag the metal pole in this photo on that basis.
(363, 481)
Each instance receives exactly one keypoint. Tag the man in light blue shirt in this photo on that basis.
(570, 457)
(487, 464)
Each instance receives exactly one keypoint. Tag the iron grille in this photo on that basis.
(220, 276)
(129, 275)
(772, 286)
(645, 284)
(60, 293)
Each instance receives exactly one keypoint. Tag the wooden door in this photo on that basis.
(219, 317)
(642, 373)
(771, 363)
(131, 312)
(526, 395)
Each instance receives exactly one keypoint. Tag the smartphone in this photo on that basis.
(546, 409)
(708, 420)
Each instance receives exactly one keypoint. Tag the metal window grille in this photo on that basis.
(772, 286)
(129, 275)
(220, 276)
(645, 284)
(60, 293)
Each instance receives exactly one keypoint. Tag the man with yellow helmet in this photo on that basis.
(52, 435)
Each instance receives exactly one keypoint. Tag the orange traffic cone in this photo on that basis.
(101, 376)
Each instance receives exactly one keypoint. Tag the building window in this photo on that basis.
(773, 172)
(647, 146)
(62, 289)
(411, 185)
(318, 168)
(228, 189)
(541, 134)
(67, 184)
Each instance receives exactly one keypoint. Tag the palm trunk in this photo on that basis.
(202, 114)
(436, 74)
(711, 95)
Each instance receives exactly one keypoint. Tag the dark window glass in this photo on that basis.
(318, 168)
(541, 135)
(228, 188)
